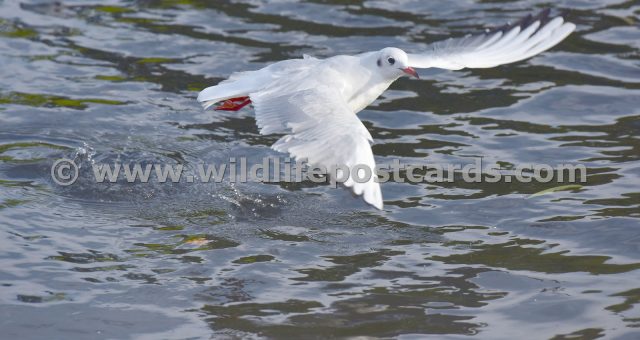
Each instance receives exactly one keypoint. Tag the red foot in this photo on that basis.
(234, 104)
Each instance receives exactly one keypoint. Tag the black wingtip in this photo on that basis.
(543, 16)
(564, 13)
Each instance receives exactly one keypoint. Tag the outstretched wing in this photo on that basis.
(319, 127)
(508, 44)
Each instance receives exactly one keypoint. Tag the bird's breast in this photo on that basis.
(364, 96)
(358, 84)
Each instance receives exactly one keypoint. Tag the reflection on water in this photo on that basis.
(117, 81)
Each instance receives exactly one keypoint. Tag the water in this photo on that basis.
(117, 80)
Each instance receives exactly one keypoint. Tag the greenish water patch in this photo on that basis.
(4, 148)
(519, 254)
(113, 9)
(206, 216)
(157, 24)
(184, 244)
(254, 259)
(345, 266)
(116, 267)
(282, 236)
(91, 256)
(156, 60)
(50, 297)
(14, 30)
(175, 3)
(632, 298)
(17, 184)
(10, 203)
(566, 218)
(298, 260)
(587, 333)
(236, 312)
(41, 100)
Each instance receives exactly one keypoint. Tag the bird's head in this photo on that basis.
(393, 63)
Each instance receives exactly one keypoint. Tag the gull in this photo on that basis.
(313, 102)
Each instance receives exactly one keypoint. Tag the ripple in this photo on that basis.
(117, 81)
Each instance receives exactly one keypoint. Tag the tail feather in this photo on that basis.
(238, 85)
(208, 103)
(224, 91)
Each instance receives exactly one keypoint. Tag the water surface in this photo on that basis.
(105, 81)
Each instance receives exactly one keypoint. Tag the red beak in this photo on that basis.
(410, 71)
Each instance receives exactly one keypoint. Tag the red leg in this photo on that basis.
(234, 104)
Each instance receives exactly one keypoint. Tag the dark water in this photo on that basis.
(114, 80)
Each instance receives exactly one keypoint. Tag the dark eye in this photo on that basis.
(391, 61)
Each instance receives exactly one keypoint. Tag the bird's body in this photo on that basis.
(355, 82)
(314, 102)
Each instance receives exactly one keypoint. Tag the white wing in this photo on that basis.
(320, 127)
(511, 43)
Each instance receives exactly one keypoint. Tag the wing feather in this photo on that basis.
(319, 127)
(509, 44)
